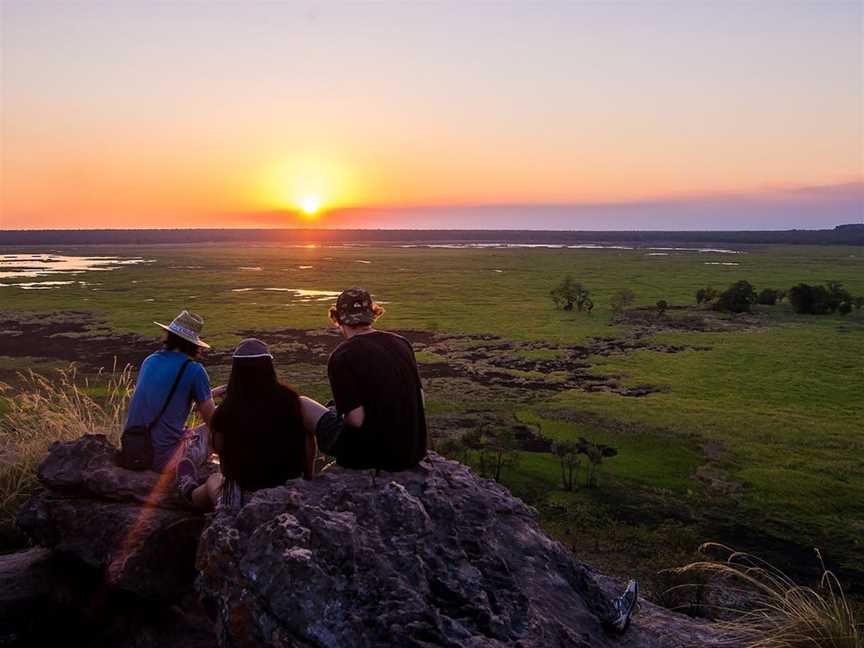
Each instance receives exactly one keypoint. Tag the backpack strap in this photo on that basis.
(170, 394)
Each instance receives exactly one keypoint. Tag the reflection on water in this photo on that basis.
(560, 246)
(362, 261)
(20, 266)
(302, 294)
(250, 268)
(692, 249)
(38, 285)
(657, 254)
(304, 267)
(726, 263)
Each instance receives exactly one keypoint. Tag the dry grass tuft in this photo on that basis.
(44, 410)
(777, 612)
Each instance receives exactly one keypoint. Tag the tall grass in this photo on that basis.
(42, 410)
(776, 611)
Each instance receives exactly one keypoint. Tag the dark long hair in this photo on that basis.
(174, 342)
(258, 429)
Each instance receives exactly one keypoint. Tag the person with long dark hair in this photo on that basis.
(263, 431)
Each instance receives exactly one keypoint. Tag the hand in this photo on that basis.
(216, 392)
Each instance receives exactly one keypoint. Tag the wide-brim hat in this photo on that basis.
(187, 326)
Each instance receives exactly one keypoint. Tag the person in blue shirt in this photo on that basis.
(172, 440)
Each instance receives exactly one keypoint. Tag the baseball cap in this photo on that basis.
(354, 306)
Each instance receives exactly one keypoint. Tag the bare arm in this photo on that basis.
(206, 410)
(355, 417)
(311, 452)
(206, 495)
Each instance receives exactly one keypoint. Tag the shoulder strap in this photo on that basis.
(171, 393)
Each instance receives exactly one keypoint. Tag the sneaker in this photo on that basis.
(625, 605)
(187, 479)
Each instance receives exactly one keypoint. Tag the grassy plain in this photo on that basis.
(751, 435)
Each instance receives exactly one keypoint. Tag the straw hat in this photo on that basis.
(187, 326)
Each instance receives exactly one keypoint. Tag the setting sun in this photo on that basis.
(310, 205)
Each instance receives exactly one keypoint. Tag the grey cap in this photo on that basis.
(252, 348)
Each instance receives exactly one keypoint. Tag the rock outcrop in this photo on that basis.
(129, 524)
(434, 556)
(428, 557)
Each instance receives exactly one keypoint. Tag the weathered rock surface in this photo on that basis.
(127, 523)
(25, 584)
(434, 556)
(429, 557)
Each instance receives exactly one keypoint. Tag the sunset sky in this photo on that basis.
(672, 115)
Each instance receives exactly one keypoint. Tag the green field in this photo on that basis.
(751, 432)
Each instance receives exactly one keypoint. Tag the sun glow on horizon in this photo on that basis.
(308, 185)
(310, 205)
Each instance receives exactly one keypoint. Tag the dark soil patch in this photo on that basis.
(70, 336)
(684, 318)
(488, 360)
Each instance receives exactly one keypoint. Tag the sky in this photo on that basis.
(559, 115)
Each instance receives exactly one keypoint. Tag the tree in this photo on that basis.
(844, 308)
(662, 306)
(568, 456)
(858, 302)
(706, 295)
(501, 447)
(570, 293)
(810, 300)
(738, 298)
(768, 297)
(621, 300)
(595, 452)
(472, 440)
(839, 295)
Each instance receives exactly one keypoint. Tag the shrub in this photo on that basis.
(706, 295)
(777, 612)
(662, 306)
(812, 300)
(621, 300)
(738, 298)
(571, 293)
(768, 297)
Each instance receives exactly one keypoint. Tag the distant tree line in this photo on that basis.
(804, 298)
(849, 234)
(740, 297)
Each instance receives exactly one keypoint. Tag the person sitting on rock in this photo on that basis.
(169, 382)
(378, 420)
(263, 432)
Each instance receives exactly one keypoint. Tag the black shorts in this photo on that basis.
(328, 431)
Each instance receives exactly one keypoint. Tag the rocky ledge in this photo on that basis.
(434, 556)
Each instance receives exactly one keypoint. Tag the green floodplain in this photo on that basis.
(744, 429)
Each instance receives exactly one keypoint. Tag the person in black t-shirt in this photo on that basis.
(379, 420)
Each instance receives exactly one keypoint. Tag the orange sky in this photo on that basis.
(135, 115)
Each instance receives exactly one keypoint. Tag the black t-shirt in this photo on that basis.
(378, 371)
